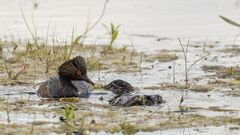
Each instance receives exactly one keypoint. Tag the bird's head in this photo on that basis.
(74, 69)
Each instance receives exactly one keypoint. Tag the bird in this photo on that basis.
(136, 100)
(119, 87)
(72, 78)
(125, 95)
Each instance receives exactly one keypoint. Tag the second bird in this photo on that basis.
(119, 87)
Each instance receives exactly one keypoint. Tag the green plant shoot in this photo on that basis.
(113, 32)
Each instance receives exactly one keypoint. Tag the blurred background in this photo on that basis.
(148, 20)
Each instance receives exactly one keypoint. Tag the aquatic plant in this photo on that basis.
(113, 32)
(128, 128)
(233, 23)
(229, 21)
(186, 67)
(69, 115)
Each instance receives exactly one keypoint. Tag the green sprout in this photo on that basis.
(69, 115)
(113, 32)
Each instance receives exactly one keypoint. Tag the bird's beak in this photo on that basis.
(86, 79)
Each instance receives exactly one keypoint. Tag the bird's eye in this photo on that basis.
(78, 72)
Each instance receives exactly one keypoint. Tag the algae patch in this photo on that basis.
(161, 56)
(177, 86)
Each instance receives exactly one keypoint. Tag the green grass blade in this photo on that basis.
(76, 40)
(230, 21)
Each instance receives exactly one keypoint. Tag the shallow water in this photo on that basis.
(196, 131)
(144, 22)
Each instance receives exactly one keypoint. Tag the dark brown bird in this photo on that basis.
(69, 82)
(137, 100)
(119, 87)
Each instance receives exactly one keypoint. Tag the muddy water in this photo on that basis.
(151, 26)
